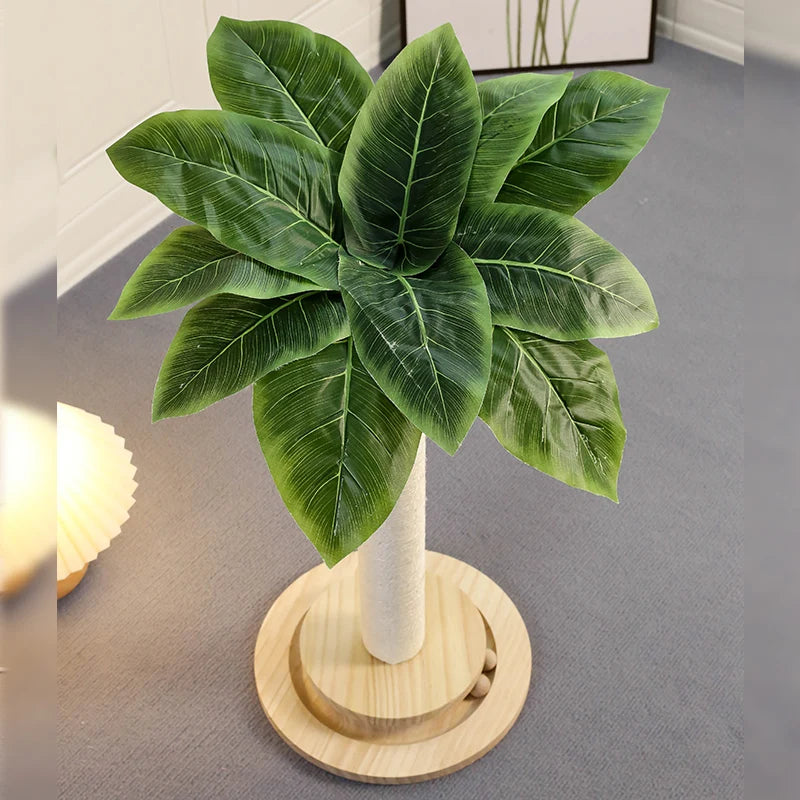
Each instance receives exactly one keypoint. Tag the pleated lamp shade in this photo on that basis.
(95, 491)
(27, 491)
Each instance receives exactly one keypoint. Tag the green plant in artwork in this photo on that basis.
(390, 260)
(539, 54)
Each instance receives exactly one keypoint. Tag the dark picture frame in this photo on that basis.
(545, 68)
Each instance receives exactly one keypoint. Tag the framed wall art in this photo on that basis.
(499, 35)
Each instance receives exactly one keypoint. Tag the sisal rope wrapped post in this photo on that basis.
(391, 570)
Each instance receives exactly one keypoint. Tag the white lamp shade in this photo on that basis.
(95, 487)
(27, 490)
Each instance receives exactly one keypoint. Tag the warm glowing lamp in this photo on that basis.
(27, 491)
(95, 491)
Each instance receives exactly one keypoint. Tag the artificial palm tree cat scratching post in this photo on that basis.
(384, 264)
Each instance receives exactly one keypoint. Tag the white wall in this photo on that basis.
(123, 61)
(27, 145)
(773, 29)
(716, 26)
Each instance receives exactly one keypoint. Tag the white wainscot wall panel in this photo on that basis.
(126, 61)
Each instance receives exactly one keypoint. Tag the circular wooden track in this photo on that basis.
(362, 719)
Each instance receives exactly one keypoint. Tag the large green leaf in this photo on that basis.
(512, 107)
(284, 72)
(340, 452)
(426, 340)
(227, 342)
(548, 273)
(554, 405)
(257, 186)
(408, 161)
(190, 265)
(585, 141)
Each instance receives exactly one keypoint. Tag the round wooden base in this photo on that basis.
(358, 717)
(66, 585)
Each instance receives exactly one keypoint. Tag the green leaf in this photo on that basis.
(426, 340)
(227, 342)
(190, 265)
(585, 141)
(257, 186)
(284, 72)
(512, 109)
(408, 161)
(548, 273)
(554, 405)
(339, 451)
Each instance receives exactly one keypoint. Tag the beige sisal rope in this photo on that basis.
(391, 567)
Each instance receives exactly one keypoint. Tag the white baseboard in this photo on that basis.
(73, 267)
(713, 26)
(665, 27)
(685, 34)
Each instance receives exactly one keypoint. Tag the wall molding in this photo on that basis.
(708, 43)
(72, 270)
(665, 27)
(713, 26)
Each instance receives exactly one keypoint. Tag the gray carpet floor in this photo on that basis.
(634, 611)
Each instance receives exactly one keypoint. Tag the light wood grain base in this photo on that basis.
(360, 718)
(66, 585)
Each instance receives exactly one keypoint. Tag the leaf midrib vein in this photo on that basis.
(185, 276)
(407, 195)
(425, 339)
(530, 156)
(560, 273)
(255, 186)
(348, 371)
(574, 422)
(240, 337)
(508, 100)
(282, 85)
